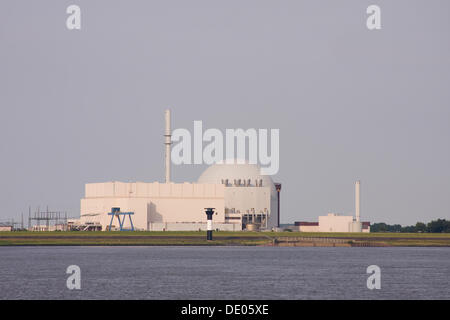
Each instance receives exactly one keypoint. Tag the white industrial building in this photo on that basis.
(241, 196)
(6, 227)
(155, 206)
(334, 222)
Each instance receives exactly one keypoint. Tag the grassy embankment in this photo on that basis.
(220, 238)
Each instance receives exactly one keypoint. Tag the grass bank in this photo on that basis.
(197, 238)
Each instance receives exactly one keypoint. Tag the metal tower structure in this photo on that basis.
(115, 212)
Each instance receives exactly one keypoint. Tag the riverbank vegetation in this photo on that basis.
(434, 226)
(241, 238)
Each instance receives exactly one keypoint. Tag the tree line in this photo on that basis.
(434, 226)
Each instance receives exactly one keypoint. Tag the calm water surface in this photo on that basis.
(224, 273)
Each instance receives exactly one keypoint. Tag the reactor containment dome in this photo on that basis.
(250, 197)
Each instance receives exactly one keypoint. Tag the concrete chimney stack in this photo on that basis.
(358, 200)
(168, 142)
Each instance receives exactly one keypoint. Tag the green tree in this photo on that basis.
(435, 226)
(421, 227)
(409, 229)
(438, 226)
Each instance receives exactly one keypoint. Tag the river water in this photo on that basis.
(224, 273)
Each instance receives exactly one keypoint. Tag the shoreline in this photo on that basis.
(221, 238)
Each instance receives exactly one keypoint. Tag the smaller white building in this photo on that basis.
(5, 227)
(307, 226)
(334, 222)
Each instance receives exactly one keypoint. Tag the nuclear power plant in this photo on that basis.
(242, 199)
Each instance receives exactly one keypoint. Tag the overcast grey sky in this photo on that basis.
(88, 106)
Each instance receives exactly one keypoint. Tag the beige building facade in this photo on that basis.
(239, 194)
(155, 206)
(334, 222)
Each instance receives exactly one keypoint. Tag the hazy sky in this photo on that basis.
(88, 105)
